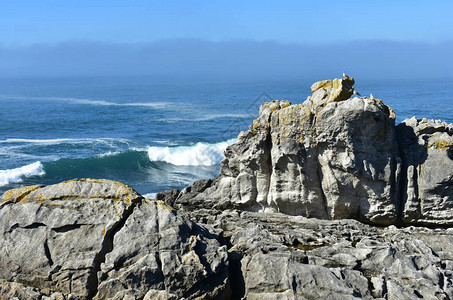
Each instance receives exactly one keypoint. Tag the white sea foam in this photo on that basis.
(108, 103)
(150, 195)
(208, 117)
(200, 154)
(107, 154)
(90, 101)
(18, 174)
(61, 141)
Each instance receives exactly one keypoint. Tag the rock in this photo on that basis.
(426, 147)
(159, 295)
(327, 91)
(276, 256)
(168, 196)
(358, 160)
(100, 239)
(333, 157)
(17, 291)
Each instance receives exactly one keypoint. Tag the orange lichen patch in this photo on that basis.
(332, 90)
(263, 122)
(272, 105)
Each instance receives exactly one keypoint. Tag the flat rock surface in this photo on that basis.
(100, 239)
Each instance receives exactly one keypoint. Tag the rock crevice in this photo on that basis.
(107, 245)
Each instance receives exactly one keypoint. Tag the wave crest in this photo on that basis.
(200, 154)
(18, 174)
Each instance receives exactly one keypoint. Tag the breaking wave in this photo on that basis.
(18, 174)
(165, 166)
(200, 154)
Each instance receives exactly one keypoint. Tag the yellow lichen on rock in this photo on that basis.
(392, 113)
(441, 145)
(17, 195)
(75, 189)
(321, 84)
(276, 104)
(327, 91)
(163, 205)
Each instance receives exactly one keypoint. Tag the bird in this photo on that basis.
(356, 93)
(344, 75)
(372, 97)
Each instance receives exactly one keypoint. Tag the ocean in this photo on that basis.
(151, 135)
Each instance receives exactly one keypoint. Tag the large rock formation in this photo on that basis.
(333, 157)
(98, 239)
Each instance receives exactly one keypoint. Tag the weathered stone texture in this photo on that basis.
(426, 147)
(100, 239)
(333, 157)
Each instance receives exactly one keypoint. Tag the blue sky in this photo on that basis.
(31, 21)
(34, 34)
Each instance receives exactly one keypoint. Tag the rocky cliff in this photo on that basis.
(304, 207)
(336, 157)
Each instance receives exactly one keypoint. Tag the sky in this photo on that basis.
(226, 38)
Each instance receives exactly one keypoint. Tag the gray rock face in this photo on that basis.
(333, 157)
(426, 147)
(100, 239)
(276, 256)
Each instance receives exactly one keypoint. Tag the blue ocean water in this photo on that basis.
(155, 136)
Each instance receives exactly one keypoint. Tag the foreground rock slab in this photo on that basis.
(99, 239)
